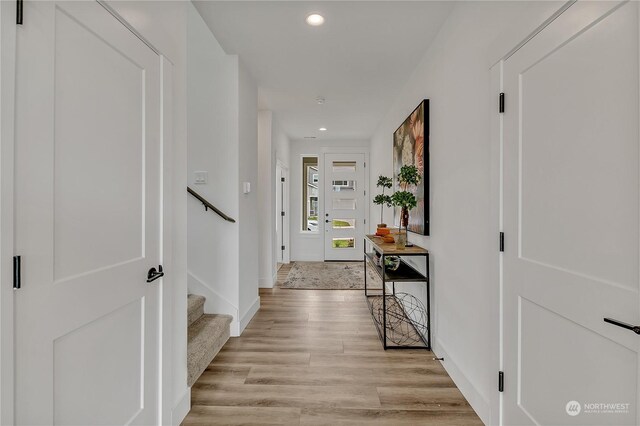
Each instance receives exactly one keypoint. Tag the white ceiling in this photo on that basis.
(357, 60)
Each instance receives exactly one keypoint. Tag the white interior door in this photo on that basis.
(88, 224)
(571, 197)
(344, 206)
(280, 213)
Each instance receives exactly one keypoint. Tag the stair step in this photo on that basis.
(195, 307)
(206, 336)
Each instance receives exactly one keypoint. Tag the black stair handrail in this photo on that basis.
(208, 205)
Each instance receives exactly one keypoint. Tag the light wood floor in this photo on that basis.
(312, 357)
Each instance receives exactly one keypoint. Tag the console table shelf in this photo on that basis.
(397, 328)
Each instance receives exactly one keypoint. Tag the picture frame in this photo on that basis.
(411, 147)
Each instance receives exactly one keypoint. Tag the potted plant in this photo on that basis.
(408, 178)
(383, 199)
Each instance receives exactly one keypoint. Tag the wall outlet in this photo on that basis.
(200, 178)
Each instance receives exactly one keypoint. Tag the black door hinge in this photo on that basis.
(502, 241)
(281, 213)
(16, 272)
(501, 103)
(281, 179)
(282, 248)
(500, 381)
(19, 12)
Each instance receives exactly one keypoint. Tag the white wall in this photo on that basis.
(273, 146)
(454, 74)
(280, 142)
(213, 244)
(222, 141)
(266, 200)
(308, 246)
(248, 207)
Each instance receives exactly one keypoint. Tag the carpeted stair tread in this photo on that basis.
(195, 307)
(206, 336)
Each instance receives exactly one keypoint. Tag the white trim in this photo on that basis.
(7, 98)
(286, 224)
(165, 310)
(523, 33)
(267, 282)
(181, 409)
(215, 302)
(246, 318)
(300, 209)
(495, 197)
(128, 26)
(474, 397)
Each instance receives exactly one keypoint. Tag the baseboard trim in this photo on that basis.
(246, 318)
(181, 409)
(481, 406)
(266, 282)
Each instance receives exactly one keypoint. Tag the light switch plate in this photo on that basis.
(246, 187)
(200, 178)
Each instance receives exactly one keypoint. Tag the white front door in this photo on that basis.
(571, 220)
(88, 218)
(344, 206)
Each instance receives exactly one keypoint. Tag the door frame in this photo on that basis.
(285, 221)
(8, 34)
(321, 187)
(7, 91)
(500, 53)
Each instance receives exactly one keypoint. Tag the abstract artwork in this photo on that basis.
(411, 147)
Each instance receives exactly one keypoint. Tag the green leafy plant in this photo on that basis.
(408, 176)
(382, 200)
(405, 199)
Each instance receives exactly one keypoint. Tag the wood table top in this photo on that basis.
(390, 248)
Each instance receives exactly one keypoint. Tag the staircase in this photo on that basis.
(206, 335)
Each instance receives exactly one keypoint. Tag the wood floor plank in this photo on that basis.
(272, 344)
(229, 357)
(205, 415)
(352, 417)
(349, 376)
(313, 357)
(423, 398)
(285, 396)
(381, 359)
(224, 374)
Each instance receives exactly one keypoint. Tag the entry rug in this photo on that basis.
(330, 276)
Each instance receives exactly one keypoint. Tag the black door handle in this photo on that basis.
(634, 328)
(153, 275)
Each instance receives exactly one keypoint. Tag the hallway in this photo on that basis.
(313, 357)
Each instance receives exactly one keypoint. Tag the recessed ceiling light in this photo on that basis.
(323, 129)
(315, 20)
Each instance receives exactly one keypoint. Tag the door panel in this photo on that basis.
(571, 219)
(104, 135)
(344, 180)
(88, 225)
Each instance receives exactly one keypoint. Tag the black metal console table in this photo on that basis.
(402, 321)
